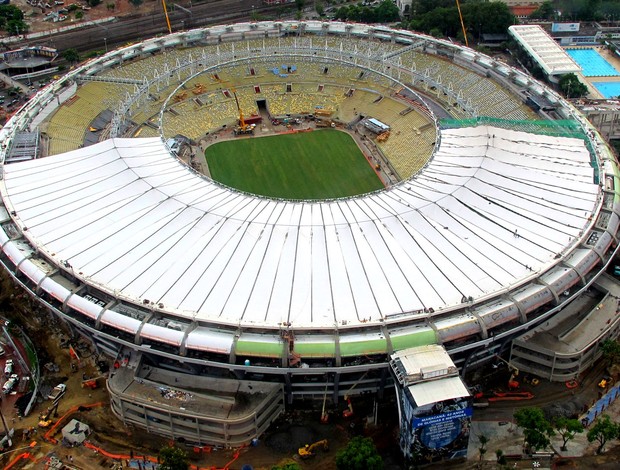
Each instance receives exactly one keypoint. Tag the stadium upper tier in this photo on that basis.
(500, 228)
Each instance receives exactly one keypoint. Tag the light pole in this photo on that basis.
(105, 41)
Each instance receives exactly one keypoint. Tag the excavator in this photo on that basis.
(512, 383)
(309, 450)
(243, 128)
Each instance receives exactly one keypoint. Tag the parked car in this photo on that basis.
(8, 367)
(10, 383)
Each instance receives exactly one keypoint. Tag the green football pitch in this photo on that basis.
(312, 165)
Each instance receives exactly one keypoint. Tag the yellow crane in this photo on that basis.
(243, 128)
(458, 6)
(163, 2)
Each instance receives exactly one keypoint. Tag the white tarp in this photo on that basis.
(438, 390)
(492, 207)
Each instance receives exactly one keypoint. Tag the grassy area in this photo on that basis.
(313, 165)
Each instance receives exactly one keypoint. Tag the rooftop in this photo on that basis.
(544, 49)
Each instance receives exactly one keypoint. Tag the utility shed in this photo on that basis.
(75, 432)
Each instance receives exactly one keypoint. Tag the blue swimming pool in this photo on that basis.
(608, 89)
(592, 63)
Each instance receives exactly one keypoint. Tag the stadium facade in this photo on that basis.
(193, 285)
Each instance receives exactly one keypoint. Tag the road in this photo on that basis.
(136, 28)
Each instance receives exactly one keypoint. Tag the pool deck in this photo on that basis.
(609, 57)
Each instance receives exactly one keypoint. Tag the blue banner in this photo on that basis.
(441, 418)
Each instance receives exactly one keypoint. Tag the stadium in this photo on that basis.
(491, 218)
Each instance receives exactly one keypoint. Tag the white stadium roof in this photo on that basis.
(544, 49)
(491, 209)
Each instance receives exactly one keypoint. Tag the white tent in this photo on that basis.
(75, 432)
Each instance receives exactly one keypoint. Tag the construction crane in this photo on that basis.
(324, 413)
(243, 128)
(163, 2)
(458, 6)
(512, 383)
(348, 412)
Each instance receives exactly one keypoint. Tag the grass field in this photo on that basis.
(313, 165)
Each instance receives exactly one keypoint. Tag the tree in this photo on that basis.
(571, 86)
(611, 351)
(501, 458)
(320, 9)
(386, 12)
(479, 17)
(300, 4)
(536, 429)
(173, 458)
(602, 431)
(359, 454)
(286, 466)
(483, 440)
(567, 428)
(71, 56)
(544, 12)
(12, 20)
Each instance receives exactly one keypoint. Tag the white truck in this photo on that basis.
(58, 391)
(8, 367)
(10, 383)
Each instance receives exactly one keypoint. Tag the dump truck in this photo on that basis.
(58, 391)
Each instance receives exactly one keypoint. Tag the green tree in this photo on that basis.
(287, 466)
(483, 441)
(173, 458)
(500, 457)
(359, 454)
(571, 86)
(536, 429)
(12, 20)
(71, 55)
(544, 12)
(602, 431)
(300, 4)
(386, 12)
(611, 351)
(567, 428)
(479, 17)
(320, 9)
(93, 3)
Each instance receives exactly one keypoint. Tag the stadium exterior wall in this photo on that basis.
(476, 330)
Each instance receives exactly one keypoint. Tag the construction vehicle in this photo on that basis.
(348, 412)
(324, 123)
(324, 413)
(243, 128)
(309, 450)
(512, 383)
(605, 382)
(93, 382)
(58, 391)
(45, 418)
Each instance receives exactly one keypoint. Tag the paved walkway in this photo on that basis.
(13, 83)
(509, 438)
